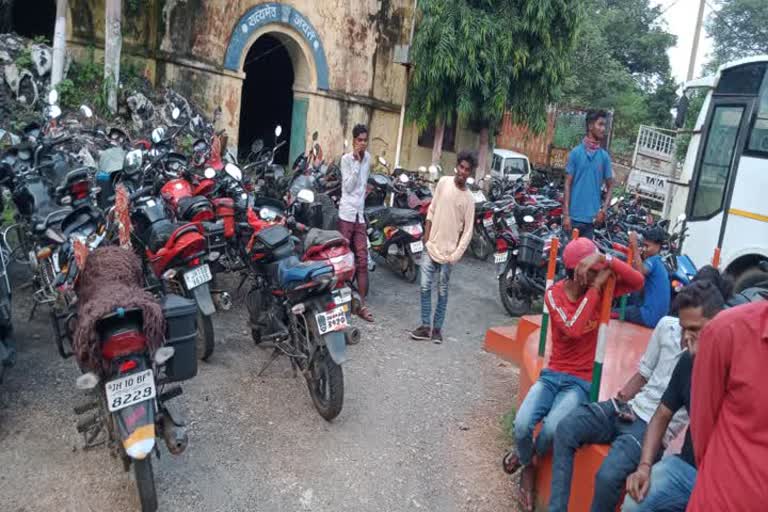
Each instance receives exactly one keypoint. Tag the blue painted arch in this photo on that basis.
(276, 13)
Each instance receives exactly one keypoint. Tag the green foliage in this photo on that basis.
(479, 58)
(40, 40)
(738, 28)
(24, 59)
(623, 66)
(508, 425)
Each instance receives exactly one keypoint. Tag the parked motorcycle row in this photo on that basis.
(184, 219)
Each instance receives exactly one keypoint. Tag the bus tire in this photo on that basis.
(751, 277)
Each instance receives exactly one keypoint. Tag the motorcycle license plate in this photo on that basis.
(488, 223)
(130, 390)
(342, 296)
(334, 320)
(479, 196)
(198, 276)
(500, 257)
(417, 246)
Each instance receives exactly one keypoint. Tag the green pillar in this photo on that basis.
(298, 128)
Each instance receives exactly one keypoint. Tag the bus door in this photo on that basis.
(716, 170)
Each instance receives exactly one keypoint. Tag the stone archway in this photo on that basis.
(303, 44)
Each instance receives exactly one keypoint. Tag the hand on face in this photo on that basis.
(360, 144)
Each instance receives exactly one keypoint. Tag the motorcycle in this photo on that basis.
(299, 306)
(483, 240)
(7, 340)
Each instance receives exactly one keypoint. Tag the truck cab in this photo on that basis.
(510, 165)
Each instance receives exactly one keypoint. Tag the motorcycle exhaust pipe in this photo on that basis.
(223, 301)
(175, 437)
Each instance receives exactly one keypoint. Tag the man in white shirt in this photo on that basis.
(355, 168)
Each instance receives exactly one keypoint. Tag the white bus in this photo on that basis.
(726, 170)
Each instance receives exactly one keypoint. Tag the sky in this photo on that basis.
(681, 21)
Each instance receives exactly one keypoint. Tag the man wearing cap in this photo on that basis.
(574, 306)
(650, 306)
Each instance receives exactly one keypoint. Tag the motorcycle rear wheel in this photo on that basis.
(325, 381)
(515, 300)
(145, 482)
(206, 340)
(480, 246)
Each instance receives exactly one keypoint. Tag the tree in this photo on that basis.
(479, 58)
(113, 43)
(738, 28)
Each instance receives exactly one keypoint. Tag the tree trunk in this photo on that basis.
(59, 43)
(482, 152)
(437, 146)
(113, 43)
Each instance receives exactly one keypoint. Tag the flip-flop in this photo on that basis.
(511, 462)
(365, 314)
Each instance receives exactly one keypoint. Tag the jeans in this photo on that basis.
(586, 229)
(428, 270)
(551, 398)
(672, 482)
(593, 423)
(358, 241)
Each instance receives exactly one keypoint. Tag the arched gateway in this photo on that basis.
(283, 59)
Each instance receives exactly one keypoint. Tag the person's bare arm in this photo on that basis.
(427, 229)
(567, 203)
(639, 482)
(608, 194)
(632, 387)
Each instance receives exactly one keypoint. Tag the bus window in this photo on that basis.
(758, 139)
(717, 161)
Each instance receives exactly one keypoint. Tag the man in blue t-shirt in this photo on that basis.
(650, 306)
(589, 165)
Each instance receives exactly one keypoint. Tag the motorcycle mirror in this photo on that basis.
(314, 136)
(55, 236)
(87, 381)
(470, 181)
(133, 160)
(528, 219)
(306, 196)
(621, 198)
(614, 201)
(434, 171)
(382, 161)
(86, 111)
(53, 97)
(158, 134)
(403, 178)
(422, 169)
(163, 354)
(54, 111)
(175, 113)
(234, 171)
(278, 130)
(209, 173)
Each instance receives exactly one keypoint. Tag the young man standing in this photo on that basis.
(729, 419)
(448, 231)
(654, 301)
(355, 168)
(667, 485)
(574, 305)
(589, 165)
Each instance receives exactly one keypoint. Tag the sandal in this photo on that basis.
(511, 462)
(365, 313)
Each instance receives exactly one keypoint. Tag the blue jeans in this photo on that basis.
(429, 270)
(596, 423)
(586, 229)
(551, 398)
(672, 482)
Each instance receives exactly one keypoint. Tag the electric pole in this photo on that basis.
(113, 43)
(59, 43)
(696, 36)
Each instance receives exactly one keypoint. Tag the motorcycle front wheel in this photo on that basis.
(145, 482)
(205, 337)
(325, 380)
(480, 245)
(515, 299)
(410, 269)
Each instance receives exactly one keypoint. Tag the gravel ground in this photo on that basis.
(420, 429)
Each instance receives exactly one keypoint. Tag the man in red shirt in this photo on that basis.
(574, 306)
(729, 416)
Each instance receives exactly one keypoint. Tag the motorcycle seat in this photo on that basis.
(393, 216)
(84, 219)
(46, 218)
(293, 273)
(190, 206)
(159, 234)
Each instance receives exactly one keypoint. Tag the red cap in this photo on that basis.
(577, 250)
